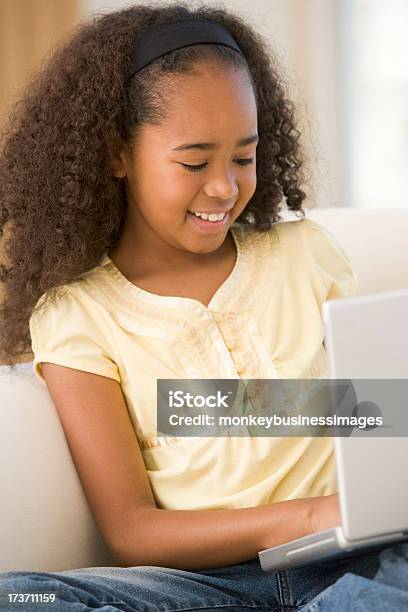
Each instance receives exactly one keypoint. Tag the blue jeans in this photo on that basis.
(377, 580)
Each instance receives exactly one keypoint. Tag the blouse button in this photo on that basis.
(230, 346)
(240, 369)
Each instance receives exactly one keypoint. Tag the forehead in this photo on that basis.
(211, 101)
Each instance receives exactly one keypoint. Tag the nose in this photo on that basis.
(221, 184)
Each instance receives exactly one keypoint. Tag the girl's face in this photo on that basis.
(201, 159)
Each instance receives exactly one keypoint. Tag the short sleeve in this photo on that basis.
(330, 261)
(71, 332)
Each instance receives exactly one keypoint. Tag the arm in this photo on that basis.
(199, 539)
(110, 465)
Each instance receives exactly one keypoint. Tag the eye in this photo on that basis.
(240, 162)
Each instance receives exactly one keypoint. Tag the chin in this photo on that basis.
(209, 245)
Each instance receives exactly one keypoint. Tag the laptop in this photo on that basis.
(366, 337)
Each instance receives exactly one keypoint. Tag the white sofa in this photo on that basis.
(45, 521)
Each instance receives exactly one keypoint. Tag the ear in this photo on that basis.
(118, 166)
(118, 156)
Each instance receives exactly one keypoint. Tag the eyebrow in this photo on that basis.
(206, 146)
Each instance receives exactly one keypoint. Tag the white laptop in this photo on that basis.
(366, 337)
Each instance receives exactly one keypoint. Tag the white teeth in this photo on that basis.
(210, 217)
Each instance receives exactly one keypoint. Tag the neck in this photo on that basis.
(141, 258)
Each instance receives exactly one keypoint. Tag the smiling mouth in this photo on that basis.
(212, 217)
(207, 224)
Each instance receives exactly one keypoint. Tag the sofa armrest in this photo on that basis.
(45, 520)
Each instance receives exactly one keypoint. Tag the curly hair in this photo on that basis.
(57, 190)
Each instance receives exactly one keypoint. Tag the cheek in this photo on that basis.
(176, 189)
(167, 197)
(248, 185)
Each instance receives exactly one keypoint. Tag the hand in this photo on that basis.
(325, 512)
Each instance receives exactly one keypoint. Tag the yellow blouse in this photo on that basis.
(265, 321)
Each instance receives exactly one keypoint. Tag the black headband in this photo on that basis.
(160, 39)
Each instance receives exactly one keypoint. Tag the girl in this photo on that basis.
(143, 175)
